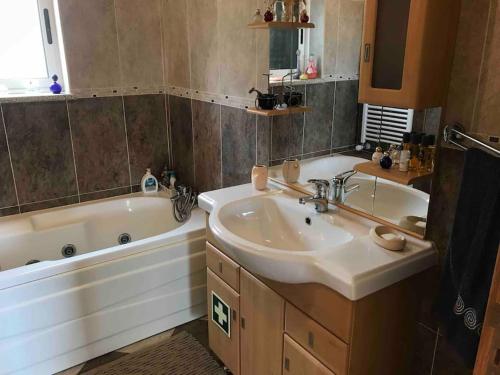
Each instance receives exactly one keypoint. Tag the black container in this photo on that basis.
(293, 99)
(266, 101)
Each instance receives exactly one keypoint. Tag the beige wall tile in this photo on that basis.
(204, 45)
(262, 60)
(176, 46)
(487, 113)
(237, 53)
(139, 36)
(467, 61)
(90, 42)
(350, 30)
(331, 36)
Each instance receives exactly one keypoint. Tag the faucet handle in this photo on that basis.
(321, 186)
(345, 175)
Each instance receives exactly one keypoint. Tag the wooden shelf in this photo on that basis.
(393, 174)
(281, 25)
(278, 112)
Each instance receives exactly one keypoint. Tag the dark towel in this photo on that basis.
(471, 254)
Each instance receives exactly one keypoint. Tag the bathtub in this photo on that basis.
(393, 202)
(60, 311)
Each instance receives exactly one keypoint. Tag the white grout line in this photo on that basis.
(10, 158)
(434, 352)
(193, 137)
(126, 142)
(256, 141)
(304, 122)
(220, 137)
(118, 44)
(73, 151)
(333, 115)
(169, 132)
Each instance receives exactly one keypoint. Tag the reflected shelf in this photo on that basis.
(281, 25)
(393, 174)
(278, 112)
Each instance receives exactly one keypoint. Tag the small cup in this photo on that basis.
(291, 170)
(259, 177)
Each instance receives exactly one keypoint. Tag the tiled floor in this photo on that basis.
(197, 328)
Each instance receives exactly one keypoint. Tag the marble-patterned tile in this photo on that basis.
(433, 121)
(331, 32)
(349, 36)
(207, 145)
(466, 65)
(181, 134)
(423, 355)
(100, 145)
(487, 113)
(264, 125)
(238, 53)
(204, 45)
(175, 39)
(40, 147)
(105, 194)
(238, 145)
(146, 343)
(345, 118)
(140, 42)
(91, 44)
(287, 136)
(8, 211)
(37, 206)
(318, 126)
(7, 189)
(147, 135)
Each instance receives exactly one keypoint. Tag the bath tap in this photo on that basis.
(340, 191)
(183, 202)
(320, 198)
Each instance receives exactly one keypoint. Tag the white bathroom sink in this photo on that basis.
(272, 235)
(273, 222)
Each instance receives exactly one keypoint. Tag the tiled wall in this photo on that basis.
(60, 152)
(474, 101)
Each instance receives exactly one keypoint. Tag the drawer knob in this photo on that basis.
(234, 314)
(310, 339)
(243, 322)
(287, 364)
(220, 266)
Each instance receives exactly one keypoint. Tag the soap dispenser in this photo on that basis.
(149, 183)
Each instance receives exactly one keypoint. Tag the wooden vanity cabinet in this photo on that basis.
(407, 51)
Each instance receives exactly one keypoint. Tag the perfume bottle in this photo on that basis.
(268, 16)
(56, 88)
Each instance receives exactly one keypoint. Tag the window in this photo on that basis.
(29, 46)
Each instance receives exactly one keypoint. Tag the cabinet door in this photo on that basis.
(262, 326)
(297, 361)
(223, 315)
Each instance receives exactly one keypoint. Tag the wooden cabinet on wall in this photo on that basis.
(407, 51)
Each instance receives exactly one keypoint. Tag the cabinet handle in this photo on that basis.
(242, 322)
(310, 339)
(220, 266)
(367, 52)
(287, 364)
(234, 314)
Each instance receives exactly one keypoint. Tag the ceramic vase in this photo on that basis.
(259, 177)
(291, 170)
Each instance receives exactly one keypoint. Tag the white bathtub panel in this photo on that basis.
(85, 297)
(16, 354)
(115, 342)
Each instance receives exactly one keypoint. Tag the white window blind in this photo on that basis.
(385, 124)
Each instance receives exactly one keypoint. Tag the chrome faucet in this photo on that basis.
(340, 191)
(320, 197)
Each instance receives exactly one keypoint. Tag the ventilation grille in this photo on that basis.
(385, 124)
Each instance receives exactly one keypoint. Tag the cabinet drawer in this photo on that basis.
(223, 266)
(297, 361)
(226, 345)
(329, 349)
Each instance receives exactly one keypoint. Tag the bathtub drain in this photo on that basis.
(124, 238)
(68, 250)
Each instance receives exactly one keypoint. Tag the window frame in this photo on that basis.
(53, 58)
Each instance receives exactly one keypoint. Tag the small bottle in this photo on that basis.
(386, 161)
(416, 139)
(257, 17)
(404, 156)
(429, 151)
(149, 183)
(377, 155)
(56, 88)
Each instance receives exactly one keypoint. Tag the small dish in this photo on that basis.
(388, 238)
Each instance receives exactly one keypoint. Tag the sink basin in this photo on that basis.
(281, 224)
(270, 234)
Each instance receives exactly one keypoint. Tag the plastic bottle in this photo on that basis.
(149, 183)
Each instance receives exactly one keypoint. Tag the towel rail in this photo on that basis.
(454, 133)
